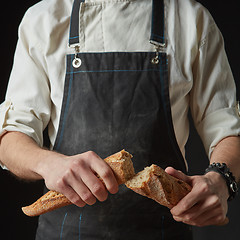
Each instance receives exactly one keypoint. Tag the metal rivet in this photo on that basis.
(155, 61)
(77, 62)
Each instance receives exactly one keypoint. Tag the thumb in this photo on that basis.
(178, 174)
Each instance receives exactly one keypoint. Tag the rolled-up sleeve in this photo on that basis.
(213, 97)
(27, 105)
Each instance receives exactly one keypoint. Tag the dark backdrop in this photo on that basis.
(15, 193)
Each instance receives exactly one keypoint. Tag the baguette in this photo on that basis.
(121, 165)
(48, 202)
(153, 182)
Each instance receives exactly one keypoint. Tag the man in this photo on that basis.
(117, 95)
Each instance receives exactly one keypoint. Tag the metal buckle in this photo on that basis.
(158, 44)
(77, 62)
(159, 47)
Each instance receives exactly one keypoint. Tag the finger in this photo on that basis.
(73, 196)
(84, 193)
(94, 185)
(212, 217)
(191, 199)
(75, 182)
(106, 174)
(215, 222)
(225, 222)
(178, 174)
(203, 206)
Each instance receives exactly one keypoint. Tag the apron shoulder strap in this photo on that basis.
(74, 23)
(158, 23)
(157, 31)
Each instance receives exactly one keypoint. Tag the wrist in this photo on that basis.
(222, 170)
(218, 182)
(48, 160)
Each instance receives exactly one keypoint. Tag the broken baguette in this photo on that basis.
(122, 166)
(153, 182)
(48, 202)
(120, 163)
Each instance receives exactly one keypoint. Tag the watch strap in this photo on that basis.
(224, 171)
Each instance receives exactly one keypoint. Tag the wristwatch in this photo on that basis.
(238, 108)
(224, 171)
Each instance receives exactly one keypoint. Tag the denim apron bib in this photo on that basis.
(114, 101)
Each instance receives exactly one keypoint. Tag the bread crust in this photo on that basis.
(120, 163)
(48, 202)
(153, 182)
(122, 166)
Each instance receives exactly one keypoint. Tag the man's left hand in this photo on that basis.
(206, 204)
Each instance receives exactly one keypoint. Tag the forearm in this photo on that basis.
(228, 151)
(22, 156)
(74, 176)
(207, 204)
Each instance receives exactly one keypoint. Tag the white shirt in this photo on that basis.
(199, 73)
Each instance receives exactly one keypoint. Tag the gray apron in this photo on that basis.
(116, 100)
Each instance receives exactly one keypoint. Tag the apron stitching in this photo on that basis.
(63, 225)
(110, 52)
(74, 37)
(79, 226)
(103, 71)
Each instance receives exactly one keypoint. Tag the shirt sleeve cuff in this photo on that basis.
(16, 118)
(217, 126)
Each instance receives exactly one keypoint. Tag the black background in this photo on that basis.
(15, 193)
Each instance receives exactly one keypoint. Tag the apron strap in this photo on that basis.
(74, 23)
(157, 31)
(158, 25)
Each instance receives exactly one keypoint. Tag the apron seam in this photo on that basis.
(79, 226)
(63, 222)
(112, 70)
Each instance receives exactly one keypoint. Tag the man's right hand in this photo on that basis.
(77, 177)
